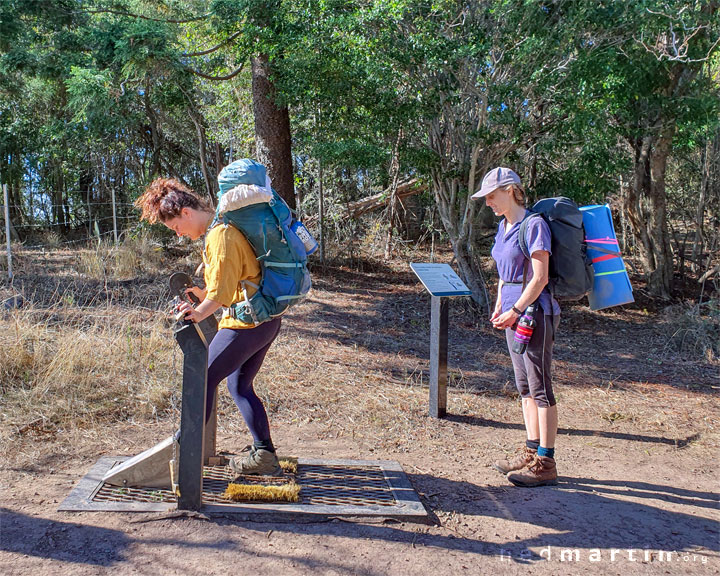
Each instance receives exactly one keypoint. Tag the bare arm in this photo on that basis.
(540, 262)
(202, 311)
(498, 302)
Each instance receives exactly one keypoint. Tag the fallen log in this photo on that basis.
(380, 200)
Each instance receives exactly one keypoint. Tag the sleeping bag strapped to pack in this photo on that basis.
(570, 271)
(248, 202)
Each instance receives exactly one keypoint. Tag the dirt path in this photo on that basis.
(637, 455)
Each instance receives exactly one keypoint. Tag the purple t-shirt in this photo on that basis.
(510, 261)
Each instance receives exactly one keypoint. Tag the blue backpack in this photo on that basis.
(248, 202)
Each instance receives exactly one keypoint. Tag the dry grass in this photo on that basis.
(65, 368)
(84, 356)
(695, 331)
(134, 256)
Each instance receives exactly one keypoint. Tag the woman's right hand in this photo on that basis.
(497, 311)
(196, 291)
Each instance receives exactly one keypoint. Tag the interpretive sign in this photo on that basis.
(442, 282)
(440, 279)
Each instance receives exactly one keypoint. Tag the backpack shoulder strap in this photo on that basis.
(523, 231)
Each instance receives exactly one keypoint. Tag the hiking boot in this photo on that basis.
(542, 472)
(522, 458)
(258, 462)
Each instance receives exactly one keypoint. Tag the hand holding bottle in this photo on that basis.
(524, 330)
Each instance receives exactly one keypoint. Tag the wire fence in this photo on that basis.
(73, 205)
(73, 223)
(85, 240)
(81, 220)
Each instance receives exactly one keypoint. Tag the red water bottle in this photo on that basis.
(524, 330)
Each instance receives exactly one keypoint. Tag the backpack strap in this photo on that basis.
(603, 250)
(523, 231)
(244, 306)
(524, 247)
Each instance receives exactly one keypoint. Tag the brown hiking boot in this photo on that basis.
(542, 472)
(259, 462)
(521, 459)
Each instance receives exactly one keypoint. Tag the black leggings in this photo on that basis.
(237, 355)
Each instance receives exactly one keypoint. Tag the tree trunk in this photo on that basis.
(15, 189)
(646, 208)
(321, 211)
(202, 152)
(698, 244)
(412, 215)
(14, 213)
(381, 199)
(459, 230)
(272, 131)
(154, 133)
(660, 280)
(392, 211)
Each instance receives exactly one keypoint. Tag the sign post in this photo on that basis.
(442, 282)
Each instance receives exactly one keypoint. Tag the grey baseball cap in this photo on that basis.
(497, 178)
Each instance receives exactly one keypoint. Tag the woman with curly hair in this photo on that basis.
(238, 349)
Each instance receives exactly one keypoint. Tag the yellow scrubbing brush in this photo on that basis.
(285, 493)
(289, 465)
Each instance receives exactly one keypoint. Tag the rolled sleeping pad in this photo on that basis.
(611, 286)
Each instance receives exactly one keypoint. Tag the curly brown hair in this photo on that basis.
(165, 198)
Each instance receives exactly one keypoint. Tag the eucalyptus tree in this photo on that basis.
(501, 81)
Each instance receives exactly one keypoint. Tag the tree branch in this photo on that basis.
(208, 77)
(214, 48)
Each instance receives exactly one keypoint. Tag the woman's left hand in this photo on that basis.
(505, 320)
(203, 310)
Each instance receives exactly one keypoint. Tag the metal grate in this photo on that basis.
(319, 484)
(342, 485)
(327, 488)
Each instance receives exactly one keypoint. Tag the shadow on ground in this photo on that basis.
(485, 423)
(64, 541)
(580, 513)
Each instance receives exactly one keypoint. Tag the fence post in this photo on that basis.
(114, 216)
(7, 231)
(321, 203)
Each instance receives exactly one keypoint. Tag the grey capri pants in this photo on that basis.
(533, 376)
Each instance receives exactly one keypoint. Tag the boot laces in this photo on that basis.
(536, 466)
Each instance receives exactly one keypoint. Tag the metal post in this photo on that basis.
(114, 216)
(7, 231)
(438, 356)
(192, 415)
(208, 329)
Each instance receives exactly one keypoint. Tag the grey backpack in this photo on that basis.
(571, 273)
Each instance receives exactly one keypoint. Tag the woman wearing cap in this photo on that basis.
(504, 195)
(237, 351)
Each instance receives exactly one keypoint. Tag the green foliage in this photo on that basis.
(98, 95)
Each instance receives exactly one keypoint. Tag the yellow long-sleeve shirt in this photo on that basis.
(229, 260)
